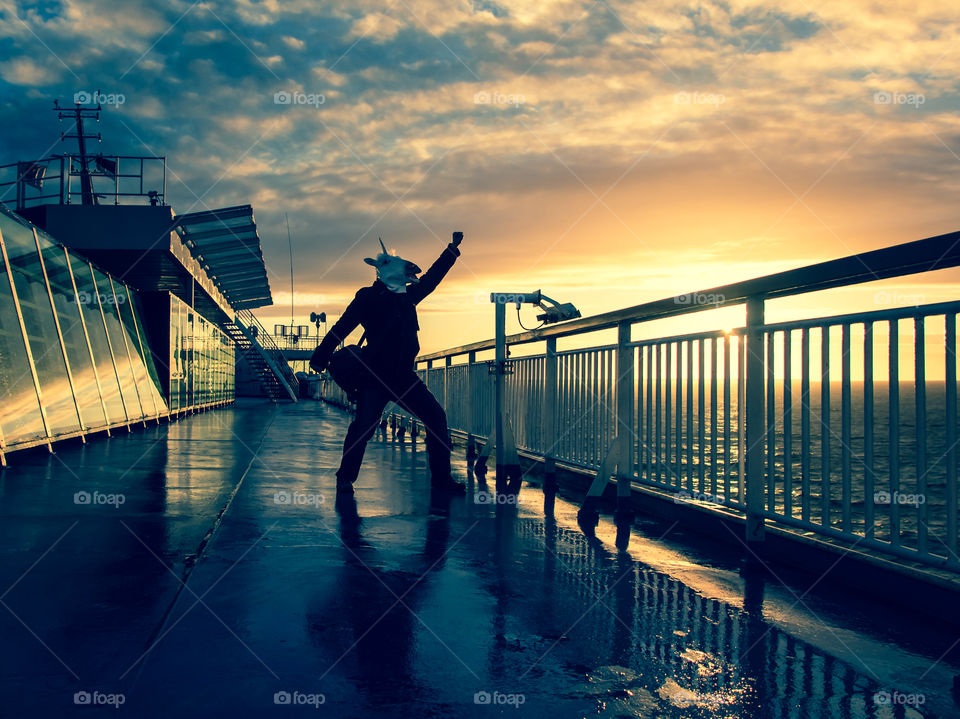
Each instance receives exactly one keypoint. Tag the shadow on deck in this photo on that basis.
(204, 569)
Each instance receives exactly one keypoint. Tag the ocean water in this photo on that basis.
(906, 488)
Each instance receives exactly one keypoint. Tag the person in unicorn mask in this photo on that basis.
(387, 311)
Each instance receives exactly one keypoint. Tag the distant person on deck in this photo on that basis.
(387, 311)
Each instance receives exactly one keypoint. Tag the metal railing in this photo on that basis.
(56, 180)
(816, 424)
(273, 353)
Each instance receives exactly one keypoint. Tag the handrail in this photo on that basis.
(812, 423)
(282, 368)
(64, 171)
(932, 253)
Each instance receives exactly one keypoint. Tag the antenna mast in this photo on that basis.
(290, 242)
(78, 114)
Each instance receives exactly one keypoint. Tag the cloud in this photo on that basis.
(24, 71)
(655, 131)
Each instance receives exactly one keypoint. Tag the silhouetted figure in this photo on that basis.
(387, 312)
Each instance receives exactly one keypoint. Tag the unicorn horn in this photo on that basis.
(384, 248)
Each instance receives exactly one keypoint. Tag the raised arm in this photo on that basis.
(438, 270)
(338, 333)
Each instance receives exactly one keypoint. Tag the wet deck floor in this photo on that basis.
(207, 572)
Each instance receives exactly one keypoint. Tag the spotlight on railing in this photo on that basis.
(553, 310)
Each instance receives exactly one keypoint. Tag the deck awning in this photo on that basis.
(226, 244)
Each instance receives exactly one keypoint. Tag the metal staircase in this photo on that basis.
(261, 353)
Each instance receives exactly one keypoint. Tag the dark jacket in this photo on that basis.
(389, 320)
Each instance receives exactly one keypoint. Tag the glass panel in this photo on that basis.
(186, 318)
(128, 385)
(41, 329)
(176, 356)
(87, 301)
(156, 388)
(74, 338)
(20, 415)
(202, 330)
(145, 386)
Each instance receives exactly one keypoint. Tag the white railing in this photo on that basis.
(855, 418)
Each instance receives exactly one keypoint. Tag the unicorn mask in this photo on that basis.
(394, 271)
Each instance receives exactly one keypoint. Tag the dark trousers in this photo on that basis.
(408, 391)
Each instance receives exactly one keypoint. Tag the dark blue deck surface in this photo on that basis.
(212, 574)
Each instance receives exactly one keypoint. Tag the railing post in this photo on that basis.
(447, 363)
(624, 388)
(548, 417)
(500, 358)
(471, 423)
(755, 429)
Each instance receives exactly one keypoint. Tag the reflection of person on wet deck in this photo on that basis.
(387, 312)
(375, 609)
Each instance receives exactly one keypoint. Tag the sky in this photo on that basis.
(608, 153)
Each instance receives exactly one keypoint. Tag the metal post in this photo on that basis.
(447, 364)
(755, 430)
(500, 360)
(469, 402)
(624, 433)
(548, 416)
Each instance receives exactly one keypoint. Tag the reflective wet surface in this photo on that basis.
(205, 569)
